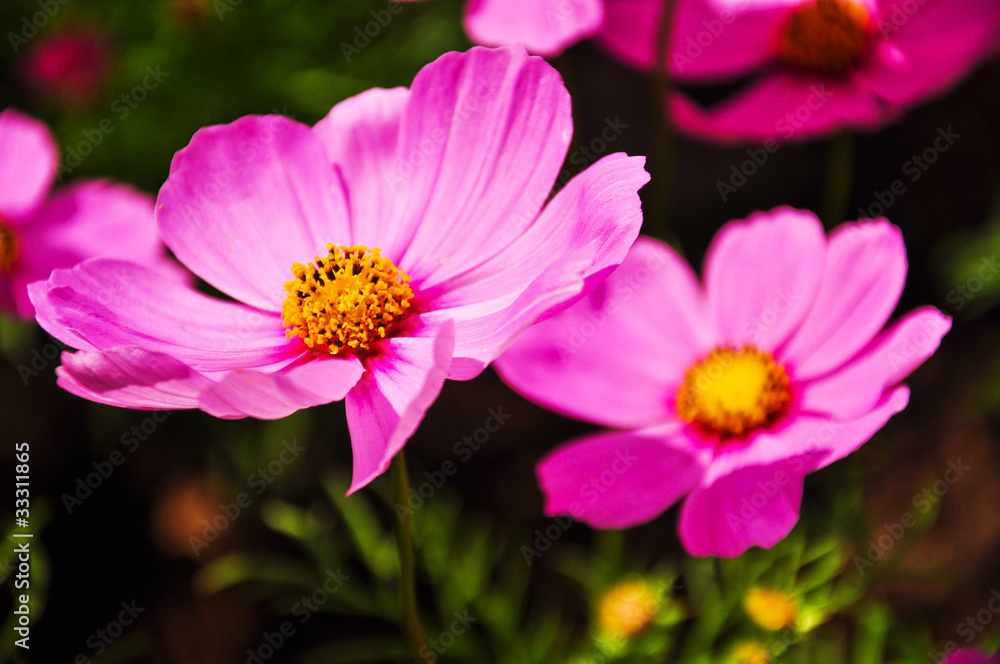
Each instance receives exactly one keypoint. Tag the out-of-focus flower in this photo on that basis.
(183, 512)
(627, 608)
(817, 65)
(403, 240)
(70, 68)
(971, 656)
(770, 608)
(42, 230)
(730, 392)
(750, 652)
(544, 27)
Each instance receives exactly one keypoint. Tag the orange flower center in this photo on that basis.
(9, 247)
(731, 392)
(345, 301)
(826, 35)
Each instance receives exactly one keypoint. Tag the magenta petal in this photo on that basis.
(785, 106)
(389, 402)
(619, 479)
(545, 27)
(762, 275)
(483, 138)
(971, 656)
(891, 357)
(836, 439)
(28, 161)
(361, 137)
(593, 221)
(865, 273)
(313, 381)
(616, 357)
(89, 219)
(104, 303)
(131, 378)
(752, 506)
(245, 201)
(939, 44)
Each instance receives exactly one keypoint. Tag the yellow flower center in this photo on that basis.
(627, 608)
(826, 35)
(750, 652)
(732, 392)
(9, 248)
(770, 608)
(345, 301)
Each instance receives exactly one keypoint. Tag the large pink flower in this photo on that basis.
(312, 230)
(41, 231)
(544, 27)
(730, 392)
(816, 65)
(970, 656)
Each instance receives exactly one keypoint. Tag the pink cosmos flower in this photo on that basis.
(970, 656)
(544, 27)
(816, 65)
(41, 231)
(70, 67)
(400, 241)
(727, 392)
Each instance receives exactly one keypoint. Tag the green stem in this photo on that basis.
(663, 162)
(839, 173)
(407, 563)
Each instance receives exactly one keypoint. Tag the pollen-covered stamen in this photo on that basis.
(345, 301)
(826, 35)
(9, 247)
(732, 392)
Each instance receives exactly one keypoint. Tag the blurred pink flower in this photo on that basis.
(544, 27)
(446, 182)
(816, 65)
(730, 392)
(41, 231)
(70, 68)
(970, 656)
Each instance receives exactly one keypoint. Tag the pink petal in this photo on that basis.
(710, 39)
(617, 357)
(483, 137)
(85, 220)
(245, 201)
(762, 275)
(618, 479)
(403, 378)
(971, 656)
(847, 436)
(104, 303)
(313, 381)
(581, 236)
(361, 137)
(891, 357)
(545, 27)
(752, 506)
(865, 273)
(940, 43)
(785, 106)
(131, 378)
(28, 162)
